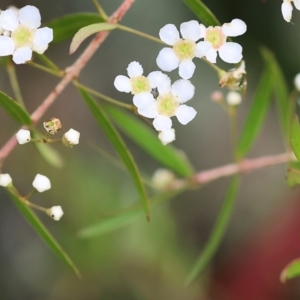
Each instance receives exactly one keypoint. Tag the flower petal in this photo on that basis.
(167, 136)
(134, 69)
(203, 31)
(185, 114)
(122, 84)
(235, 28)
(156, 78)
(186, 69)
(286, 9)
(202, 48)
(149, 111)
(167, 60)
(211, 55)
(297, 82)
(22, 55)
(169, 34)
(162, 123)
(143, 100)
(9, 20)
(231, 52)
(297, 4)
(42, 37)
(30, 17)
(7, 46)
(191, 30)
(183, 89)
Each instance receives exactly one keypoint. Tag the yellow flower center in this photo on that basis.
(185, 49)
(140, 84)
(23, 36)
(215, 36)
(167, 105)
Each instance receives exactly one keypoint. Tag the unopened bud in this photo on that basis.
(55, 212)
(217, 96)
(297, 82)
(41, 183)
(52, 126)
(23, 136)
(234, 98)
(162, 178)
(5, 180)
(71, 138)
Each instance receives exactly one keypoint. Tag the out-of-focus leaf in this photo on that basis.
(293, 177)
(85, 32)
(120, 147)
(218, 232)
(295, 137)
(4, 60)
(66, 26)
(43, 232)
(257, 114)
(202, 12)
(14, 109)
(142, 135)
(292, 270)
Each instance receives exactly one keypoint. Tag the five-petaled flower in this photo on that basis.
(287, 8)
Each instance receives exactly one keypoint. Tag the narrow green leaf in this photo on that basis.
(50, 155)
(65, 27)
(218, 232)
(14, 109)
(292, 270)
(257, 114)
(293, 177)
(120, 147)
(202, 12)
(83, 33)
(295, 137)
(143, 136)
(43, 232)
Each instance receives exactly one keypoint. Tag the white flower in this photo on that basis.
(5, 180)
(215, 41)
(233, 98)
(183, 51)
(25, 36)
(287, 8)
(71, 138)
(169, 103)
(41, 183)
(162, 178)
(297, 82)
(55, 212)
(167, 136)
(23, 136)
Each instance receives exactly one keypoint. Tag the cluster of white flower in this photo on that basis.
(20, 33)
(287, 8)
(154, 96)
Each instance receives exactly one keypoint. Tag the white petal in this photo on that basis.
(5, 180)
(190, 30)
(134, 69)
(169, 34)
(22, 55)
(41, 183)
(286, 9)
(231, 52)
(185, 114)
(297, 4)
(30, 17)
(234, 28)
(156, 78)
(122, 84)
(7, 46)
(297, 82)
(203, 31)
(202, 48)
(164, 87)
(167, 136)
(167, 60)
(186, 69)
(9, 20)
(143, 100)
(23, 136)
(39, 49)
(183, 89)
(42, 37)
(149, 111)
(162, 123)
(211, 55)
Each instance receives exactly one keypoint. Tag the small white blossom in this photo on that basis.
(23, 136)
(25, 36)
(5, 180)
(183, 49)
(287, 8)
(297, 82)
(167, 136)
(41, 183)
(162, 178)
(71, 138)
(233, 98)
(215, 42)
(55, 212)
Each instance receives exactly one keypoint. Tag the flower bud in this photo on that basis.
(41, 183)
(217, 96)
(52, 126)
(23, 136)
(162, 178)
(233, 98)
(5, 180)
(71, 138)
(297, 82)
(55, 212)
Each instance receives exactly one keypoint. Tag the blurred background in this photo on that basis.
(151, 260)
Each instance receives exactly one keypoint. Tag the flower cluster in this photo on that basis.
(20, 33)
(287, 8)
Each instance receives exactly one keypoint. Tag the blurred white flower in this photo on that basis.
(23, 136)
(233, 98)
(41, 183)
(162, 178)
(71, 138)
(55, 212)
(5, 180)
(287, 8)
(297, 82)
(167, 136)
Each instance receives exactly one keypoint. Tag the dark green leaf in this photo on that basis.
(42, 231)
(66, 26)
(14, 109)
(292, 270)
(51, 155)
(293, 177)
(120, 147)
(147, 139)
(202, 12)
(295, 137)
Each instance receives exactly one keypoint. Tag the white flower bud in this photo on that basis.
(162, 178)
(217, 96)
(41, 183)
(297, 82)
(71, 138)
(23, 136)
(5, 180)
(55, 212)
(234, 98)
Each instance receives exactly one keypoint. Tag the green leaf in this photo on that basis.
(42, 231)
(85, 32)
(295, 137)
(147, 139)
(257, 114)
(293, 177)
(50, 155)
(218, 232)
(120, 147)
(66, 26)
(14, 109)
(292, 270)
(202, 12)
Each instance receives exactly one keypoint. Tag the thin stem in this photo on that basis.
(232, 112)
(26, 202)
(58, 73)
(214, 66)
(100, 10)
(48, 62)
(29, 195)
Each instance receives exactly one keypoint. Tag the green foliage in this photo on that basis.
(293, 177)
(295, 137)
(291, 271)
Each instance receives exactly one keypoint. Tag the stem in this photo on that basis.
(48, 62)
(233, 131)
(26, 202)
(58, 73)
(26, 198)
(100, 10)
